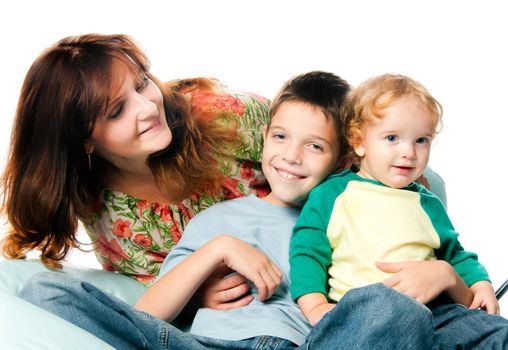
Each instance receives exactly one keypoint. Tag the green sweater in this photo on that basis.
(350, 222)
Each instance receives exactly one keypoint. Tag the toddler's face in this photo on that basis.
(395, 149)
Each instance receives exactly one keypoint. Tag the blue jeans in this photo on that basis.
(457, 327)
(366, 318)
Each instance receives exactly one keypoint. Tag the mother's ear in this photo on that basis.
(89, 148)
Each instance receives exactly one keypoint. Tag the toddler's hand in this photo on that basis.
(421, 280)
(317, 313)
(484, 298)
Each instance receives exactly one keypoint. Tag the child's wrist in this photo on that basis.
(449, 276)
(481, 285)
(220, 246)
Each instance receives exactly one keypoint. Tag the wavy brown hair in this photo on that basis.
(47, 184)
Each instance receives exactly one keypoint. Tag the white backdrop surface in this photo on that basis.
(456, 49)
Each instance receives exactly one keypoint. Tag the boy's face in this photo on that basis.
(301, 148)
(395, 149)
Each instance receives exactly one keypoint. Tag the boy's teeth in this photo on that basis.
(287, 176)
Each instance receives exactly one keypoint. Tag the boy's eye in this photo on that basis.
(279, 137)
(391, 138)
(316, 147)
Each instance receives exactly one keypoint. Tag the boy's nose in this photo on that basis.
(292, 154)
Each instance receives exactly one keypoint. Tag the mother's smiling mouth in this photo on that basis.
(153, 126)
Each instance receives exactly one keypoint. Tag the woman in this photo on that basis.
(97, 138)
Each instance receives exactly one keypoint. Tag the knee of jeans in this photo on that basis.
(397, 304)
(42, 286)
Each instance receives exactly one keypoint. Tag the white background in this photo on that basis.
(457, 49)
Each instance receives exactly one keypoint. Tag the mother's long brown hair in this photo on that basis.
(47, 184)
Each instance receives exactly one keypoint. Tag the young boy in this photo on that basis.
(251, 236)
(354, 221)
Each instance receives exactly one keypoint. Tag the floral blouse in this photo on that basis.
(133, 236)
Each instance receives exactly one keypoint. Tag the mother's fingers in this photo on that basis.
(236, 303)
(231, 281)
(230, 294)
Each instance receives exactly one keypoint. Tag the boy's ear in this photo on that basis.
(265, 132)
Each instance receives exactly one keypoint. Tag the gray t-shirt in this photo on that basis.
(268, 228)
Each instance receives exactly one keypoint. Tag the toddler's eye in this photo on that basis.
(422, 140)
(391, 138)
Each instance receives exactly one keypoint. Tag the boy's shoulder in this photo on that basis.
(236, 204)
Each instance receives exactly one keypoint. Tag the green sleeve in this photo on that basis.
(465, 263)
(310, 251)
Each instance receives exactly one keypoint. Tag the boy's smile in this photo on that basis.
(288, 175)
(300, 150)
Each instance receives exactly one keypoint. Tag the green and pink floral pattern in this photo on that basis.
(133, 236)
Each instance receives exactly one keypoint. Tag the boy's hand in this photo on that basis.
(421, 280)
(484, 297)
(224, 293)
(253, 264)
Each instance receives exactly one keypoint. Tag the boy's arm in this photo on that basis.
(167, 297)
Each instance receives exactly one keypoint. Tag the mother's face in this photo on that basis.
(135, 126)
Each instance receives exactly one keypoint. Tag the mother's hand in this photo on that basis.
(225, 290)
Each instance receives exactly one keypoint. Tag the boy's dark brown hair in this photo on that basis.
(323, 90)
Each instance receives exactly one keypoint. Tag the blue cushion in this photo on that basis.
(26, 326)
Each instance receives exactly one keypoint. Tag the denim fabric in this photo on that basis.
(457, 327)
(370, 317)
(373, 317)
(104, 316)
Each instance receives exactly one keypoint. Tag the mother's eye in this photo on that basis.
(142, 84)
(115, 113)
